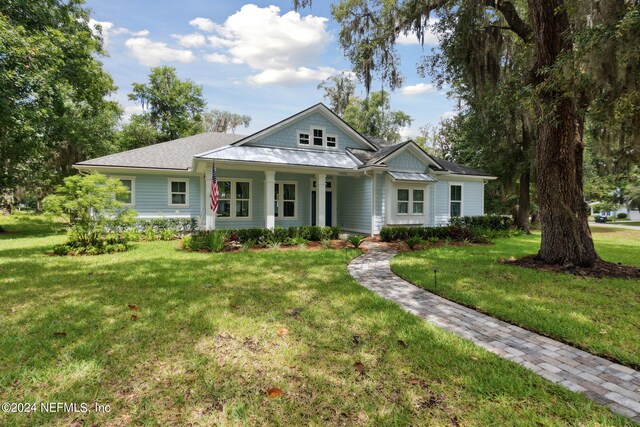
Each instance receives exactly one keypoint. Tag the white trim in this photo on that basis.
(186, 194)
(233, 199)
(133, 189)
(306, 132)
(281, 201)
(334, 198)
(373, 203)
(409, 218)
(335, 137)
(420, 154)
(126, 169)
(461, 185)
(320, 108)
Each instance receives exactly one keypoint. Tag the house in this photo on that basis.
(309, 169)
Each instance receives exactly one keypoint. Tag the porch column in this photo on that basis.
(209, 216)
(321, 199)
(269, 194)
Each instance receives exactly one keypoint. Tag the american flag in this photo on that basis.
(215, 193)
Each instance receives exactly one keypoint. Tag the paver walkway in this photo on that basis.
(608, 383)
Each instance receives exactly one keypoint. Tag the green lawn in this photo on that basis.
(207, 344)
(599, 315)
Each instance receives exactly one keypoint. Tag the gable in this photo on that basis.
(406, 162)
(286, 134)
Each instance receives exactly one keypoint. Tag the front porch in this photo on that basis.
(282, 198)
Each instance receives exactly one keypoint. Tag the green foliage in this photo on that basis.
(476, 233)
(491, 222)
(138, 132)
(248, 244)
(338, 90)
(326, 244)
(172, 106)
(215, 240)
(224, 121)
(87, 203)
(356, 241)
(622, 215)
(373, 116)
(54, 94)
(296, 241)
(413, 242)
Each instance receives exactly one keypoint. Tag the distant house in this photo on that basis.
(632, 214)
(309, 169)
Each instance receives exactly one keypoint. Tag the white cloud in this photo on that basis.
(418, 89)
(190, 40)
(282, 48)
(109, 30)
(203, 24)
(218, 58)
(130, 110)
(151, 53)
(291, 75)
(430, 38)
(448, 115)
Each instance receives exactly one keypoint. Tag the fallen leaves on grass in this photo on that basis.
(359, 367)
(275, 392)
(134, 317)
(133, 307)
(402, 344)
(283, 331)
(356, 340)
(60, 334)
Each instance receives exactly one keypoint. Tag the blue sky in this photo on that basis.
(258, 58)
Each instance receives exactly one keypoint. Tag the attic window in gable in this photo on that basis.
(318, 137)
(331, 141)
(303, 138)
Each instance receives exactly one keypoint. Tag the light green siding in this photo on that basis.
(288, 135)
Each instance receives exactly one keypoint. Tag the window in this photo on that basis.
(179, 192)
(224, 201)
(242, 199)
(235, 198)
(331, 141)
(403, 201)
(127, 198)
(418, 201)
(455, 200)
(318, 137)
(303, 138)
(410, 201)
(285, 197)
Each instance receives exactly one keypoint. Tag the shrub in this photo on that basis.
(311, 232)
(622, 215)
(611, 218)
(491, 222)
(326, 244)
(296, 241)
(87, 203)
(356, 241)
(61, 250)
(248, 244)
(215, 240)
(167, 234)
(188, 243)
(413, 241)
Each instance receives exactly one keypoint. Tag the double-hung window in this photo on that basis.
(318, 137)
(410, 201)
(455, 200)
(178, 192)
(331, 141)
(127, 198)
(235, 198)
(285, 200)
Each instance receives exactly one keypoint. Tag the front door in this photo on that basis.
(328, 208)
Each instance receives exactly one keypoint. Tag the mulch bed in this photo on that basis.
(602, 269)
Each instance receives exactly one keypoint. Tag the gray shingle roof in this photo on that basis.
(284, 156)
(459, 169)
(176, 154)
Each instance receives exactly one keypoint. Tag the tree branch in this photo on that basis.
(516, 24)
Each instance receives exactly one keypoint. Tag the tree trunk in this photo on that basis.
(524, 198)
(566, 238)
